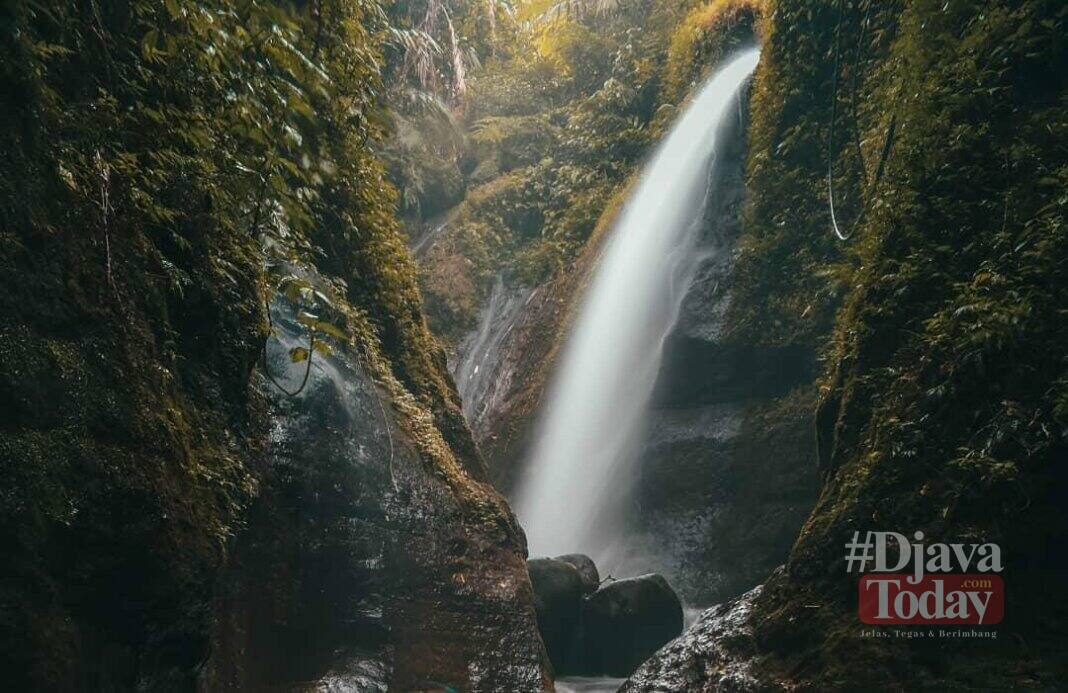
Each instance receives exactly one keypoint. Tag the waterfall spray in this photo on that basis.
(582, 461)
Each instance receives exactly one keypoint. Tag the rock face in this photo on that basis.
(362, 570)
(170, 521)
(587, 569)
(558, 589)
(626, 621)
(910, 392)
(481, 369)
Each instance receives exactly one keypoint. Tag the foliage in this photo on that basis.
(422, 153)
(553, 131)
(164, 167)
(705, 36)
(556, 124)
(940, 319)
(432, 47)
(565, 10)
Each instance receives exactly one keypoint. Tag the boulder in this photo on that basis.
(558, 591)
(626, 621)
(587, 569)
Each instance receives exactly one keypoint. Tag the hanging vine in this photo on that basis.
(888, 141)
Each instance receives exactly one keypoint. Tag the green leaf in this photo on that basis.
(148, 44)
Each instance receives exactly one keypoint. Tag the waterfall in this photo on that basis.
(583, 456)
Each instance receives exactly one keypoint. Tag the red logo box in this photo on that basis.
(940, 599)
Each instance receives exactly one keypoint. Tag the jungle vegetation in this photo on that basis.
(164, 167)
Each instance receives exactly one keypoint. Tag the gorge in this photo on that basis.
(335, 330)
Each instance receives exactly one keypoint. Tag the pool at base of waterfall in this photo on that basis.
(588, 684)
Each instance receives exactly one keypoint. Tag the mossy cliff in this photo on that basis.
(944, 408)
(939, 320)
(168, 171)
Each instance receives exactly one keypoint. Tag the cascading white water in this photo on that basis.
(480, 374)
(582, 460)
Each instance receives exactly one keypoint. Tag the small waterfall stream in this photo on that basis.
(480, 375)
(582, 461)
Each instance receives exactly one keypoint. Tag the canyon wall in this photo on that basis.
(940, 405)
(172, 518)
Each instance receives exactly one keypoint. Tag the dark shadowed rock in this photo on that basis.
(360, 570)
(558, 590)
(626, 621)
(587, 569)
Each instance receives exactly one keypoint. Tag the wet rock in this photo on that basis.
(697, 371)
(587, 569)
(715, 653)
(361, 569)
(626, 621)
(480, 367)
(558, 590)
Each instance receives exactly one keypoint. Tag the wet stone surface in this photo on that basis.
(609, 630)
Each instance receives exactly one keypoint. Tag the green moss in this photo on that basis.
(141, 190)
(705, 36)
(945, 358)
(553, 133)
